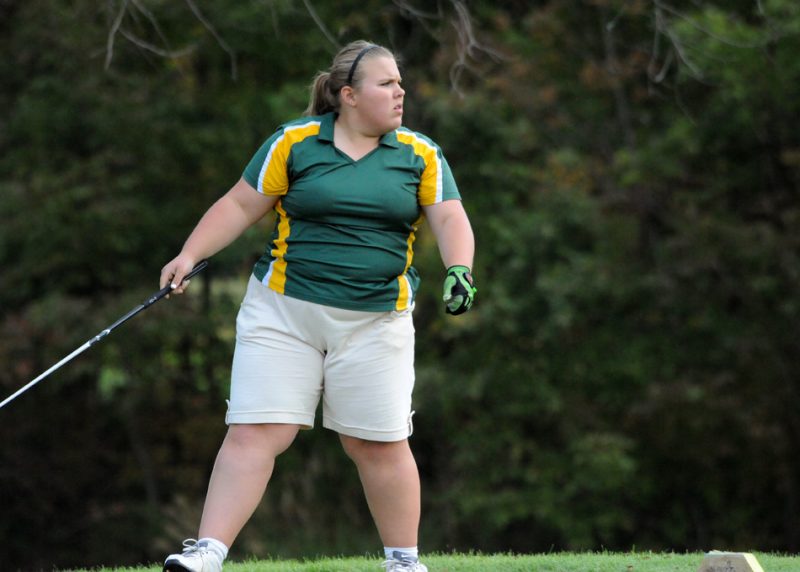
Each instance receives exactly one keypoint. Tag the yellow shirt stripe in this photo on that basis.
(273, 178)
(276, 275)
(430, 187)
(404, 288)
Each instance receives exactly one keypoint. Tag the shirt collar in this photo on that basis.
(390, 139)
(326, 131)
(326, 127)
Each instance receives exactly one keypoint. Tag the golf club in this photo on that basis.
(144, 305)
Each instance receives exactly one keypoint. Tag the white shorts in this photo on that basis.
(290, 352)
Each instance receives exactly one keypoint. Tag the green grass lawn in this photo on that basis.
(561, 562)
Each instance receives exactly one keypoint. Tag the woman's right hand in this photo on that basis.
(174, 271)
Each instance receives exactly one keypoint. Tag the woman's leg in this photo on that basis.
(390, 479)
(241, 472)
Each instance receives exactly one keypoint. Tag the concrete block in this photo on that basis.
(716, 561)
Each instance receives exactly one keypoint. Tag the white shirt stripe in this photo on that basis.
(272, 147)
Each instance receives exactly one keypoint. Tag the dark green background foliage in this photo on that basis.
(628, 377)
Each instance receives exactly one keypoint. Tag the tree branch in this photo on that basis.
(468, 46)
(419, 14)
(112, 33)
(153, 21)
(667, 8)
(320, 24)
(222, 43)
(155, 49)
(663, 27)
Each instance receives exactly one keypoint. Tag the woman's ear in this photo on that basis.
(347, 96)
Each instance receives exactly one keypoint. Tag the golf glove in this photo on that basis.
(458, 290)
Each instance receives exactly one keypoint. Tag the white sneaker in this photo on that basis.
(196, 557)
(399, 563)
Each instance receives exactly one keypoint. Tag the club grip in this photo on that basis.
(196, 270)
(168, 288)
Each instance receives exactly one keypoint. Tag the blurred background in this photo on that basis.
(628, 378)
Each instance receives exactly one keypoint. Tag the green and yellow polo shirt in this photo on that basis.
(345, 229)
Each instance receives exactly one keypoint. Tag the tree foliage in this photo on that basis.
(628, 376)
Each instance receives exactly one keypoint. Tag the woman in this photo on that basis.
(327, 313)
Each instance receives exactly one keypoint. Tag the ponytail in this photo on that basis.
(323, 100)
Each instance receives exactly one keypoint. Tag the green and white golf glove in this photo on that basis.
(458, 290)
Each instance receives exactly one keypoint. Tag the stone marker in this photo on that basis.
(716, 561)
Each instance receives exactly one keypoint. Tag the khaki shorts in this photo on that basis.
(290, 352)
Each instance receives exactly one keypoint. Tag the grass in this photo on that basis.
(560, 562)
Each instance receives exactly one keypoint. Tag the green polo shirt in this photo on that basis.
(345, 229)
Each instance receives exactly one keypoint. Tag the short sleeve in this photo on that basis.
(437, 183)
(436, 180)
(267, 171)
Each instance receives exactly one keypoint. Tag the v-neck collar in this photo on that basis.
(326, 134)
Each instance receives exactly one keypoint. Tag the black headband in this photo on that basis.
(355, 63)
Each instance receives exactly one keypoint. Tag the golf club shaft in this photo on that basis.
(150, 301)
(30, 384)
(89, 343)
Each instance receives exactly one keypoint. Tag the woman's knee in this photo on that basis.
(362, 450)
(271, 438)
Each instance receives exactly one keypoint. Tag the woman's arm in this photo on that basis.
(223, 223)
(456, 243)
(453, 233)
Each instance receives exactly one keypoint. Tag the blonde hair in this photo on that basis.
(346, 65)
